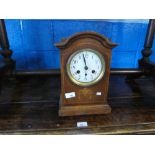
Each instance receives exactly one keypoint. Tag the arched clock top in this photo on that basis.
(103, 40)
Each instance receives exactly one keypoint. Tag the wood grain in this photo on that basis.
(29, 105)
(86, 100)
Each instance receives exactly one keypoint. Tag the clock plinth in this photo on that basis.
(83, 109)
(85, 70)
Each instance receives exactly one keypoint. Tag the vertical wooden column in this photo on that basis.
(8, 65)
(144, 62)
(146, 52)
(4, 43)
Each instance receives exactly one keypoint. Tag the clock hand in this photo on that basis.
(86, 68)
(84, 59)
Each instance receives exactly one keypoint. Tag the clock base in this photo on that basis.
(84, 110)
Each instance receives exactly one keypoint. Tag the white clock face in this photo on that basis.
(86, 67)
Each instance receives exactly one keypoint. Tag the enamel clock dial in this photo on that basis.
(85, 67)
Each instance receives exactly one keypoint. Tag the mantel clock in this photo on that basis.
(85, 70)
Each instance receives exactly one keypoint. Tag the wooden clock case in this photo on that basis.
(86, 100)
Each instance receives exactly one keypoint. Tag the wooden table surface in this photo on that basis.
(29, 105)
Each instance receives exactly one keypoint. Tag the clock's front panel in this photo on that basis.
(86, 75)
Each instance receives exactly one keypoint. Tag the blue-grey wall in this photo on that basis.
(32, 41)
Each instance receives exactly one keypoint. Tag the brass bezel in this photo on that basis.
(86, 83)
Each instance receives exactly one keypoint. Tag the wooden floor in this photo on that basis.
(29, 105)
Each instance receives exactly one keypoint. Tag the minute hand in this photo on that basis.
(85, 63)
